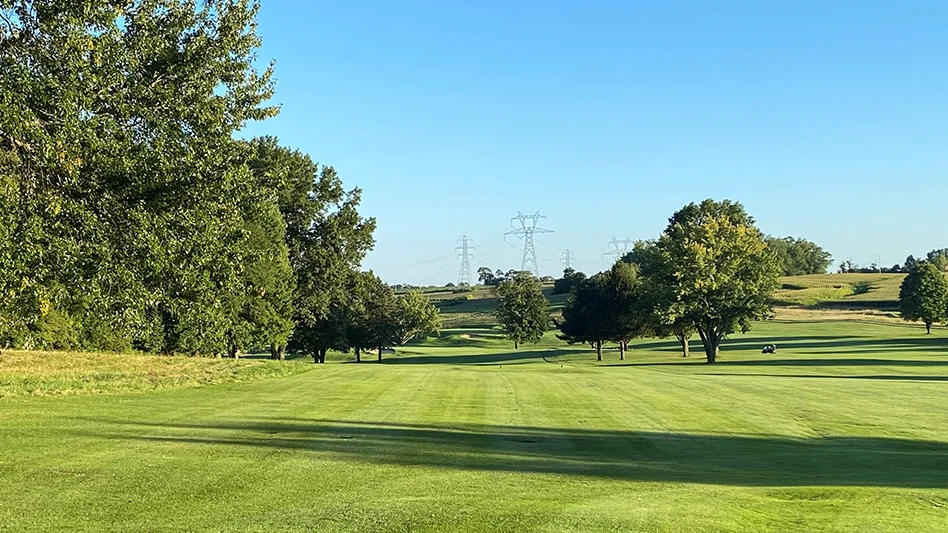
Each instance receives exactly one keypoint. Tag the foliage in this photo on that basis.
(924, 295)
(116, 149)
(415, 316)
(326, 239)
(586, 317)
(486, 277)
(521, 309)
(717, 271)
(655, 299)
(629, 314)
(799, 257)
(571, 278)
(939, 258)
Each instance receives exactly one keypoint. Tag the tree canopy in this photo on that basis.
(718, 272)
(924, 295)
(797, 257)
(130, 217)
(571, 278)
(521, 309)
(586, 316)
(939, 258)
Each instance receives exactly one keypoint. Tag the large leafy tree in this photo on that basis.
(719, 273)
(797, 257)
(627, 316)
(586, 315)
(116, 148)
(656, 296)
(924, 295)
(415, 316)
(522, 308)
(326, 239)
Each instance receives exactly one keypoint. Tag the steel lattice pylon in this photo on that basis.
(466, 253)
(528, 226)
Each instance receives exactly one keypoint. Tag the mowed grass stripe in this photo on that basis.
(454, 443)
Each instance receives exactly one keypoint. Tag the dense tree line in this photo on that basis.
(131, 217)
(798, 257)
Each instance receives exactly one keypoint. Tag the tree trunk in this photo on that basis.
(380, 354)
(598, 350)
(358, 352)
(281, 352)
(316, 357)
(234, 352)
(712, 354)
(322, 356)
(685, 345)
(274, 351)
(622, 350)
(711, 341)
(928, 327)
(516, 345)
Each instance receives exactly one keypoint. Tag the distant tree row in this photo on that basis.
(938, 258)
(798, 257)
(489, 278)
(130, 216)
(368, 316)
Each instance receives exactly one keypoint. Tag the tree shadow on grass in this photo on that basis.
(738, 460)
(885, 377)
(478, 359)
(755, 341)
(838, 361)
(844, 346)
(853, 344)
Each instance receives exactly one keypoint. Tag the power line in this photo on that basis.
(567, 259)
(464, 274)
(415, 264)
(528, 226)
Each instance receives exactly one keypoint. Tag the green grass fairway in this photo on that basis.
(845, 429)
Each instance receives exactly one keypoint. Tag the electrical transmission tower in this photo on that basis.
(466, 253)
(618, 248)
(528, 226)
(567, 259)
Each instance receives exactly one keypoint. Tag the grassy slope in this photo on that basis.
(476, 308)
(845, 429)
(840, 291)
(51, 373)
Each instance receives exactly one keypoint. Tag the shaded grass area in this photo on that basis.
(667, 457)
(56, 373)
(844, 429)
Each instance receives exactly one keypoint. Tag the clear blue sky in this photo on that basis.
(828, 120)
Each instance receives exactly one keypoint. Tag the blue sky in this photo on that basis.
(828, 120)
